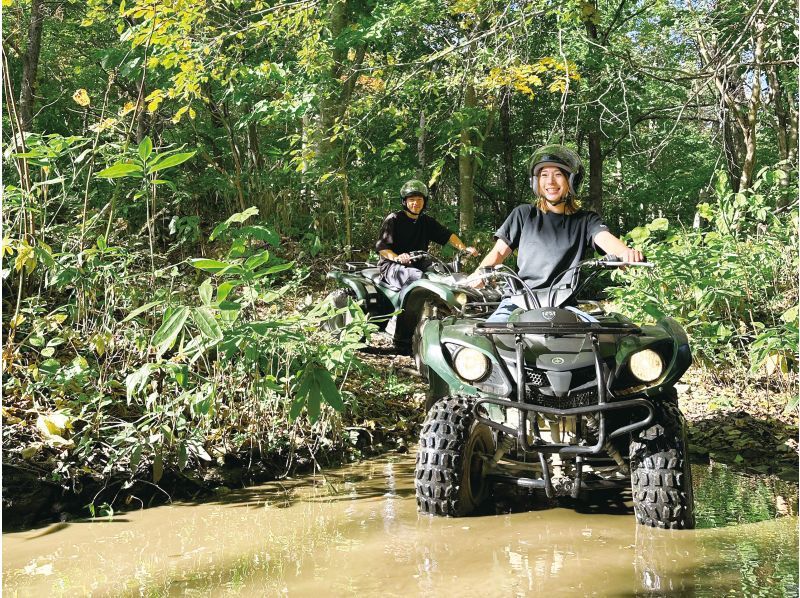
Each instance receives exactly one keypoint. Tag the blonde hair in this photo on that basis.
(572, 204)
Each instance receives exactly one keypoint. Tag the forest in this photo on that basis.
(179, 175)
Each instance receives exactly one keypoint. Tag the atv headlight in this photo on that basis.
(461, 298)
(646, 365)
(471, 365)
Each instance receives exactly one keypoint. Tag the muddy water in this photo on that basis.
(356, 532)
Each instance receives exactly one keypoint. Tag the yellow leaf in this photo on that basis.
(192, 113)
(177, 117)
(128, 107)
(153, 106)
(53, 426)
(104, 124)
(16, 320)
(8, 246)
(81, 97)
(8, 2)
(26, 258)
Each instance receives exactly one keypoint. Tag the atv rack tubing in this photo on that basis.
(554, 328)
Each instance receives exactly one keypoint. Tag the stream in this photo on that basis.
(356, 531)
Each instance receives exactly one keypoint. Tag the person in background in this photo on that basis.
(410, 230)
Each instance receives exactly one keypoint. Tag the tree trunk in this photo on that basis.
(421, 138)
(595, 200)
(745, 116)
(466, 169)
(508, 151)
(30, 65)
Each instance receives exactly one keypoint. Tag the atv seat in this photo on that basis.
(374, 275)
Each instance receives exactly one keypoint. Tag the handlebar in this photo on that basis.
(614, 261)
(608, 262)
(451, 268)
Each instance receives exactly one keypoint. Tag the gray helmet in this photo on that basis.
(414, 187)
(561, 157)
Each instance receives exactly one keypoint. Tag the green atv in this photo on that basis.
(555, 400)
(400, 313)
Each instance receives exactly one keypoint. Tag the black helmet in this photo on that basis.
(414, 187)
(561, 157)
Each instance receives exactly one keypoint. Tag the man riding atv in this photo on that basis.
(409, 230)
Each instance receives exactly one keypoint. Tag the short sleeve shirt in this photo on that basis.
(402, 234)
(547, 244)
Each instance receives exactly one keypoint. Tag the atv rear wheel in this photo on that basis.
(431, 309)
(450, 475)
(661, 477)
(338, 299)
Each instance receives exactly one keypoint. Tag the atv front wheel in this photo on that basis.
(661, 477)
(450, 475)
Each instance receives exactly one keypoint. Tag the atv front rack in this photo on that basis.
(554, 328)
(592, 330)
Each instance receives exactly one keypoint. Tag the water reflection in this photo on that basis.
(357, 532)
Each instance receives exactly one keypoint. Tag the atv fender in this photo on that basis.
(666, 329)
(443, 379)
(412, 299)
(356, 283)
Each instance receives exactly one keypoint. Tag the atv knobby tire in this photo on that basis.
(338, 299)
(450, 478)
(661, 478)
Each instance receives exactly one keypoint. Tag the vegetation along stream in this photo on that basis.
(356, 531)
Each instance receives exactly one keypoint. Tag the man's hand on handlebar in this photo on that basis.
(403, 258)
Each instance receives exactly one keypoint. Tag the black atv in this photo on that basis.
(551, 401)
(402, 312)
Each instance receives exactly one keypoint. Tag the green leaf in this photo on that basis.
(208, 265)
(330, 392)
(158, 467)
(207, 324)
(136, 457)
(169, 161)
(225, 288)
(639, 234)
(166, 335)
(275, 269)
(141, 309)
(658, 224)
(256, 260)
(119, 169)
(205, 291)
(101, 242)
(135, 382)
(242, 216)
(296, 408)
(261, 233)
(145, 148)
(218, 230)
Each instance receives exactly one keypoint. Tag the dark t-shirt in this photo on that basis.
(402, 234)
(548, 243)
